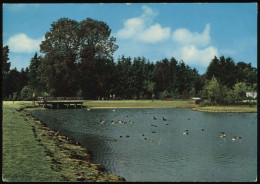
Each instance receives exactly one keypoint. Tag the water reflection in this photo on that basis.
(171, 155)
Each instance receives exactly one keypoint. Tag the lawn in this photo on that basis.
(33, 152)
(138, 104)
(244, 109)
(23, 159)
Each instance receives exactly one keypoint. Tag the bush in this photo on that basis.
(164, 94)
(26, 93)
(207, 103)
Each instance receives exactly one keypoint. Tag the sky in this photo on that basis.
(191, 32)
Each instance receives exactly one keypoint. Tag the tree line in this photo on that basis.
(77, 60)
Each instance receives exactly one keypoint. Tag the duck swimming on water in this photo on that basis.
(186, 132)
(222, 134)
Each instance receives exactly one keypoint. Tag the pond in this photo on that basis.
(151, 144)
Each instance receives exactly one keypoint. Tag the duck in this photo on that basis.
(164, 119)
(222, 134)
(114, 109)
(188, 118)
(202, 129)
(150, 140)
(120, 136)
(113, 122)
(145, 138)
(154, 117)
(127, 136)
(153, 131)
(88, 109)
(102, 121)
(142, 134)
(186, 132)
(236, 137)
(130, 122)
(119, 121)
(114, 140)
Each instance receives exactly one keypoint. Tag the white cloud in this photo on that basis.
(191, 55)
(23, 44)
(141, 28)
(185, 37)
(194, 48)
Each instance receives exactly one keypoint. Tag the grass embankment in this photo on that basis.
(235, 109)
(137, 104)
(34, 152)
(165, 104)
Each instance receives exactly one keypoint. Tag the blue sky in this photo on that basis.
(192, 32)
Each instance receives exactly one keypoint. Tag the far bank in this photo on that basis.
(98, 104)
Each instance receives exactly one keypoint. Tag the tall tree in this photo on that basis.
(34, 77)
(5, 72)
(58, 67)
(223, 69)
(96, 44)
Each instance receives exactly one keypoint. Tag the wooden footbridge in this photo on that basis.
(60, 101)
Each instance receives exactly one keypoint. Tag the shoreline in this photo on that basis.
(77, 155)
(119, 104)
(68, 158)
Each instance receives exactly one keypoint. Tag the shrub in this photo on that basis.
(207, 103)
(164, 94)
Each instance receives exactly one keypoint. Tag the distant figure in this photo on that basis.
(114, 96)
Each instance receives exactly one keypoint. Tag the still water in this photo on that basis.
(167, 154)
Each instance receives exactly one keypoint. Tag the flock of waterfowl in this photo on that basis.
(186, 132)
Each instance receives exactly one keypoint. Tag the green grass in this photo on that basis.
(23, 159)
(245, 109)
(137, 104)
(32, 152)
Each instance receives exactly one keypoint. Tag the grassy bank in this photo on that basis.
(34, 152)
(236, 109)
(138, 104)
(165, 104)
